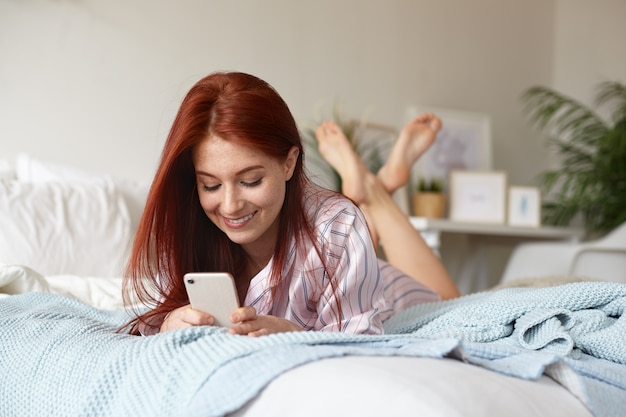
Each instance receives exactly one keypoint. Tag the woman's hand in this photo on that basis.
(248, 323)
(186, 316)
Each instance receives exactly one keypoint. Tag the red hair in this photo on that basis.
(174, 235)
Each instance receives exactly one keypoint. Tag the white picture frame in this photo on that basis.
(478, 196)
(463, 143)
(524, 206)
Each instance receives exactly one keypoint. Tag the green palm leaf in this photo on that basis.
(591, 181)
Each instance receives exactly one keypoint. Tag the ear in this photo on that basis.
(290, 162)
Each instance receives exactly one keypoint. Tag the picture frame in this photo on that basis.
(463, 143)
(478, 196)
(524, 206)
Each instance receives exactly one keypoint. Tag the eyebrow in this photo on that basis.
(243, 171)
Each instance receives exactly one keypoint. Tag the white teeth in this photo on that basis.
(241, 220)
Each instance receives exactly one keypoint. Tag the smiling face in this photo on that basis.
(242, 191)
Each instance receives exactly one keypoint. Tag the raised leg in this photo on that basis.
(403, 245)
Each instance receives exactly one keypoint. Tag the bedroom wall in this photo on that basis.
(588, 46)
(95, 83)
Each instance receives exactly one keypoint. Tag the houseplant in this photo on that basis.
(591, 181)
(429, 199)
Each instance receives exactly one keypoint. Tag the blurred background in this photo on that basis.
(95, 84)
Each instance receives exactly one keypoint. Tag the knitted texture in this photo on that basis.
(60, 357)
(588, 316)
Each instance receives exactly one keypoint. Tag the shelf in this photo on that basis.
(424, 224)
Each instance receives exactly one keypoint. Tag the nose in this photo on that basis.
(232, 202)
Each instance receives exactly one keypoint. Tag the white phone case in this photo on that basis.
(214, 293)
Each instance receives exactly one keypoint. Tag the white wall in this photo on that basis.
(95, 83)
(589, 46)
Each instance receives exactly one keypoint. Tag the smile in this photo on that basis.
(240, 220)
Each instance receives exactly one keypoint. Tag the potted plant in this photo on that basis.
(429, 199)
(591, 181)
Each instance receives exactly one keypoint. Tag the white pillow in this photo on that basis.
(64, 227)
(18, 279)
(7, 170)
(31, 169)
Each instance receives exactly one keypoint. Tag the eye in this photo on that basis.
(209, 188)
(253, 183)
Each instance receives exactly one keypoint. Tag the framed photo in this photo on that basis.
(478, 196)
(463, 143)
(524, 206)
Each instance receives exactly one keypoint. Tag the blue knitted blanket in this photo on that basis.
(60, 357)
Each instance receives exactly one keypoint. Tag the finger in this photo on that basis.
(243, 329)
(247, 327)
(260, 332)
(197, 317)
(242, 314)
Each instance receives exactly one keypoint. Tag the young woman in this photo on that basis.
(231, 195)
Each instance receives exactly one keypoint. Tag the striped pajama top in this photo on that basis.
(369, 290)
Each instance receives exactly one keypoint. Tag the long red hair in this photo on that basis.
(174, 235)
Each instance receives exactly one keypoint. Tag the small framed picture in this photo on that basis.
(524, 206)
(478, 196)
(463, 143)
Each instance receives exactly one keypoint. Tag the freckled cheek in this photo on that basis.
(272, 198)
(263, 200)
(209, 205)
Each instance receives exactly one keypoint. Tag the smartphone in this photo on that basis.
(214, 293)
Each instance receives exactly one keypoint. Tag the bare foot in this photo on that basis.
(337, 151)
(357, 182)
(415, 138)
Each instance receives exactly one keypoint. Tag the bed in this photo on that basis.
(553, 351)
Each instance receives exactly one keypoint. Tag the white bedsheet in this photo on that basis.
(402, 386)
(100, 292)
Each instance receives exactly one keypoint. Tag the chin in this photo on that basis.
(240, 238)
